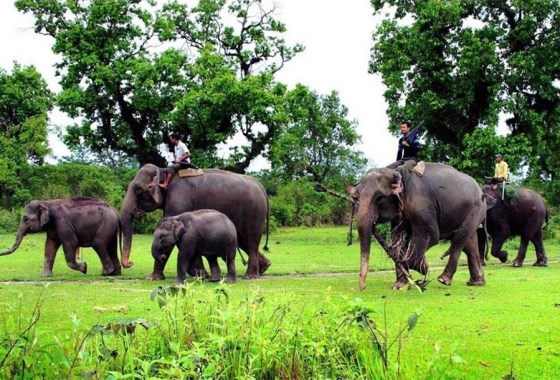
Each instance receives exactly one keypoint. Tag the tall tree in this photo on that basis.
(25, 102)
(458, 65)
(318, 140)
(135, 71)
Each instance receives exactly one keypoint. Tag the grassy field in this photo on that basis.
(509, 327)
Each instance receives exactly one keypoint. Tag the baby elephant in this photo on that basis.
(73, 223)
(203, 232)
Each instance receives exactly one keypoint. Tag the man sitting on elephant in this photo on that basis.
(182, 159)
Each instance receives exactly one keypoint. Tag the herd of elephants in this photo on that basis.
(218, 212)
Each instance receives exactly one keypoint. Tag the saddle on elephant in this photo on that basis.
(190, 172)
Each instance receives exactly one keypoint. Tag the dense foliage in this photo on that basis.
(25, 102)
(200, 333)
(134, 71)
(461, 65)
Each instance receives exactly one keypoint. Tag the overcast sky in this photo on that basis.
(337, 39)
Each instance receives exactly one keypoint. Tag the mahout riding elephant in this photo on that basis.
(242, 198)
(524, 215)
(202, 232)
(442, 203)
(73, 223)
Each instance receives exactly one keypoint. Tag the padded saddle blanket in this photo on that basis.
(419, 168)
(190, 172)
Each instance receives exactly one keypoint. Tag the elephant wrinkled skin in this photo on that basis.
(241, 198)
(523, 216)
(203, 232)
(442, 204)
(73, 223)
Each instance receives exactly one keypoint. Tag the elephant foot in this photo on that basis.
(47, 273)
(264, 264)
(541, 263)
(111, 272)
(517, 264)
(480, 282)
(399, 284)
(155, 277)
(214, 279)
(502, 256)
(231, 280)
(420, 266)
(82, 267)
(445, 279)
(251, 276)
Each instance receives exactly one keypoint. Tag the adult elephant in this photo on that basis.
(73, 223)
(241, 198)
(523, 216)
(442, 203)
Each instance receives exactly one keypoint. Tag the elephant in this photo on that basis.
(242, 198)
(523, 216)
(442, 203)
(202, 232)
(73, 223)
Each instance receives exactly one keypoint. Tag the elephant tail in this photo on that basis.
(267, 223)
(120, 236)
(487, 245)
(243, 260)
(545, 217)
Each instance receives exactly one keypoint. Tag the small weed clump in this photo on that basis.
(200, 333)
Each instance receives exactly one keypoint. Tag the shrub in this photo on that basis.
(9, 221)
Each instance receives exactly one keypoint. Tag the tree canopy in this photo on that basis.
(133, 72)
(462, 65)
(25, 102)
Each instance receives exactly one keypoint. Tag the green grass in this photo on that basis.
(510, 325)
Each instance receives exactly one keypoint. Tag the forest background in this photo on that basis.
(131, 72)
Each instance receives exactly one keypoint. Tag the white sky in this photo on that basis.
(337, 39)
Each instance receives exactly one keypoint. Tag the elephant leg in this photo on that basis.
(216, 273)
(459, 242)
(496, 251)
(253, 264)
(183, 263)
(481, 238)
(414, 257)
(537, 241)
(473, 261)
(229, 257)
(195, 268)
(106, 261)
(113, 250)
(157, 272)
(264, 263)
(51, 246)
(518, 262)
(70, 255)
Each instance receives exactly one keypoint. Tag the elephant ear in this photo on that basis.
(178, 230)
(490, 201)
(43, 215)
(397, 184)
(352, 190)
(155, 192)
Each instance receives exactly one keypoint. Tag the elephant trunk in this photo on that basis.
(127, 210)
(366, 222)
(19, 238)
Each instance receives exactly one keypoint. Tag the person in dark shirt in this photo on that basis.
(409, 146)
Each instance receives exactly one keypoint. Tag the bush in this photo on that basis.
(199, 333)
(9, 221)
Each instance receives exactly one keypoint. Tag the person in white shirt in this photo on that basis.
(182, 159)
